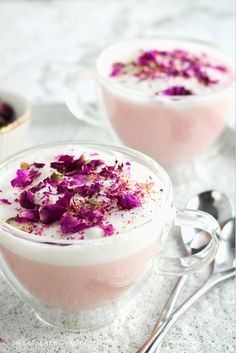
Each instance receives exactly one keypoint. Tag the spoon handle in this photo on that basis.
(171, 301)
(158, 335)
(170, 304)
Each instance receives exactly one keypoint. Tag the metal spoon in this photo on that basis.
(224, 268)
(215, 203)
(218, 205)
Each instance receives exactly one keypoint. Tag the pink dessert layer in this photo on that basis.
(78, 287)
(171, 133)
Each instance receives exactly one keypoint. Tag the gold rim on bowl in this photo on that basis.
(19, 121)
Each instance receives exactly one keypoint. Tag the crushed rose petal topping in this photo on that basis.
(177, 91)
(5, 202)
(80, 193)
(161, 64)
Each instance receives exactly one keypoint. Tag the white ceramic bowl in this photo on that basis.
(13, 135)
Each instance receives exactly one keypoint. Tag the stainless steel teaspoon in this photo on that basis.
(216, 203)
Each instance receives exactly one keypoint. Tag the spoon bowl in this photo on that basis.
(217, 204)
(225, 257)
(214, 202)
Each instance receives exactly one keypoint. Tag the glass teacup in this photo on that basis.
(81, 284)
(172, 130)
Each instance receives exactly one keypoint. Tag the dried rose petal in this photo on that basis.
(24, 177)
(6, 112)
(27, 216)
(66, 159)
(117, 69)
(89, 190)
(110, 172)
(108, 229)
(177, 91)
(67, 164)
(221, 68)
(92, 165)
(62, 187)
(39, 165)
(70, 224)
(5, 202)
(59, 166)
(50, 213)
(147, 57)
(26, 200)
(64, 201)
(128, 201)
(77, 164)
(21, 179)
(38, 187)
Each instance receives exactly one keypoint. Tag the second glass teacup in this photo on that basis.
(171, 130)
(81, 284)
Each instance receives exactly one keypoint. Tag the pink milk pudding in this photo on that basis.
(167, 98)
(79, 225)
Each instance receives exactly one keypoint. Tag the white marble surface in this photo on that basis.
(40, 43)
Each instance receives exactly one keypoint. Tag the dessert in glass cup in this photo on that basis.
(82, 226)
(168, 98)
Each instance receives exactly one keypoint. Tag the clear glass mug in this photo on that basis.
(172, 131)
(81, 284)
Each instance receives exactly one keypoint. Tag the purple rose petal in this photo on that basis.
(38, 187)
(128, 201)
(89, 190)
(64, 201)
(26, 200)
(66, 159)
(70, 225)
(39, 165)
(147, 57)
(117, 69)
(92, 166)
(25, 177)
(50, 213)
(27, 216)
(108, 230)
(5, 202)
(77, 164)
(177, 91)
(68, 165)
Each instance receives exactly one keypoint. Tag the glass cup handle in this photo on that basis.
(189, 264)
(81, 95)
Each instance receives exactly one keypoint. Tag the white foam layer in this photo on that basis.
(92, 253)
(144, 229)
(128, 50)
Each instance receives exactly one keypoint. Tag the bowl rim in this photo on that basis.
(21, 119)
